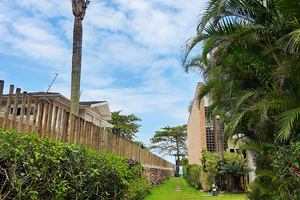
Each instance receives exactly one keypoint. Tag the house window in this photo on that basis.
(209, 131)
(97, 122)
(19, 111)
(89, 118)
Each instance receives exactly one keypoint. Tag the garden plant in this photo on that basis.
(36, 168)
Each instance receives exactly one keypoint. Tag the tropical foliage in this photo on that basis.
(35, 168)
(124, 125)
(250, 63)
(169, 141)
(192, 172)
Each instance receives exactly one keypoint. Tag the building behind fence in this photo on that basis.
(58, 124)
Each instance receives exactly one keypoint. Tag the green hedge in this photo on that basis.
(192, 173)
(35, 168)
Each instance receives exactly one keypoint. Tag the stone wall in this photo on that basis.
(156, 175)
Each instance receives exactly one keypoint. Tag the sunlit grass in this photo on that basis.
(166, 192)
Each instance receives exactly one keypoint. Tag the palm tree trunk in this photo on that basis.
(76, 65)
(79, 8)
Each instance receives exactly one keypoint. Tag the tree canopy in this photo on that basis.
(170, 140)
(124, 125)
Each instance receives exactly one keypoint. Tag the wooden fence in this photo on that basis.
(58, 124)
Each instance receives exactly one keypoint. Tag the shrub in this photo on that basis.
(35, 168)
(192, 173)
(139, 188)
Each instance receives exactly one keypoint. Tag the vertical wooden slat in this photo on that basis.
(88, 133)
(53, 135)
(15, 109)
(83, 135)
(59, 123)
(72, 126)
(94, 139)
(61, 137)
(20, 124)
(44, 133)
(50, 120)
(1, 92)
(66, 127)
(8, 106)
(40, 122)
(28, 113)
(35, 111)
(79, 131)
(77, 124)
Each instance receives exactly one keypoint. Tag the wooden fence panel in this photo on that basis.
(8, 105)
(50, 120)
(53, 135)
(20, 124)
(46, 115)
(27, 123)
(40, 122)
(15, 109)
(1, 91)
(59, 125)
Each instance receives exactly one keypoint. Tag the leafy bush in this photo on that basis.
(192, 173)
(231, 171)
(139, 188)
(35, 168)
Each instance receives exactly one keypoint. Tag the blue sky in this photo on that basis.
(131, 54)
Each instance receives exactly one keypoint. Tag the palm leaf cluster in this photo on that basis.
(250, 63)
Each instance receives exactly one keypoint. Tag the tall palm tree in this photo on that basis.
(79, 8)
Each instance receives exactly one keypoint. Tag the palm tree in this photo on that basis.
(79, 8)
(235, 170)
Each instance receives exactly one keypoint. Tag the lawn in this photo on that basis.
(166, 192)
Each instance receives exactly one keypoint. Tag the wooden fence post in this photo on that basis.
(65, 133)
(72, 126)
(15, 109)
(77, 124)
(35, 115)
(28, 112)
(53, 135)
(50, 120)
(8, 106)
(44, 132)
(40, 122)
(22, 111)
(1, 91)
(59, 124)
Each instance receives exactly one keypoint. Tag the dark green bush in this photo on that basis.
(139, 188)
(34, 168)
(192, 173)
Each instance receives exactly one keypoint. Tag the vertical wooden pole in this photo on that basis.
(61, 137)
(20, 124)
(27, 124)
(8, 106)
(90, 134)
(59, 122)
(72, 125)
(66, 127)
(53, 135)
(76, 141)
(83, 135)
(1, 92)
(34, 115)
(50, 121)
(40, 122)
(44, 132)
(15, 109)
(79, 132)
